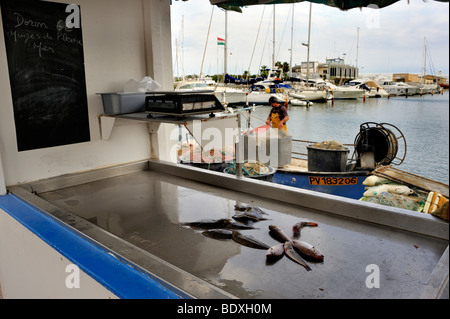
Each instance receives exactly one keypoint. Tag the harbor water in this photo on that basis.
(424, 121)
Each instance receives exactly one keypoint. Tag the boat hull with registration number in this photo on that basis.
(346, 184)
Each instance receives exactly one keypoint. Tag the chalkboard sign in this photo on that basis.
(44, 47)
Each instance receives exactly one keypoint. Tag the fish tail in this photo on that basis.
(290, 252)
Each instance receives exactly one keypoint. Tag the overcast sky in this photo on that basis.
(391, 40)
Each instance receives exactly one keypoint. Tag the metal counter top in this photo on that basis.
(145, 209)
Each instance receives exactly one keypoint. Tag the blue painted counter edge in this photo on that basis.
(116, 274)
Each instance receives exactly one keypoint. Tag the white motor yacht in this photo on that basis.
(297, 102)
(315, 91)
(261, 92)
(231, 95)
(258, 97)
(195, 85)
(398, 88)
(310, 95)
(372, 88)
(345, 91)
(407, 89)
(426, 88)
(225, 94)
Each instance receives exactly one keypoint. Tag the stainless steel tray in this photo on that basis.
(137, 211)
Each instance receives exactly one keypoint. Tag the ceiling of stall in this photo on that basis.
(341, 4)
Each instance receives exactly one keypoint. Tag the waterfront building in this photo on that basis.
(334, 70)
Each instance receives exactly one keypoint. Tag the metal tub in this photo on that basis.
(123, 103)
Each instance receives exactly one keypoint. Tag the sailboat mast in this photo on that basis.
(256, 41)
(424, 70)
(292, 40)
(273, 45)
(206, 44)
(357, 51)
(309, 43)
(182, 48)
(176, 58)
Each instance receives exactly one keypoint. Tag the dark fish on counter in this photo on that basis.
(250, 214)
(241, 207)
(298, 227)
(244, 207)
(232, 224)
(307, 250)
(278, 234)
(275, 251)
(218, 224)
(208, 224)
(293, 255)
(238, 225)
(218, 234)
(248, 241)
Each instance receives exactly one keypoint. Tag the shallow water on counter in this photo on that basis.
(148, 209)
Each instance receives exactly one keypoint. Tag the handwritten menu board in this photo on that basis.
(44, 47)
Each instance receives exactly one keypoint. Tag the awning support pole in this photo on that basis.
(3, 190)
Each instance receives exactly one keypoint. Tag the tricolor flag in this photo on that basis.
(220, 41)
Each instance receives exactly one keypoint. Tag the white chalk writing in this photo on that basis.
(21, 20)
(67, 39)
(32, 32)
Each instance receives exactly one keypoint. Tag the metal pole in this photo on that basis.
(357, 53)
(3, 190)
(239, 163)
(424, 70)
(273, 54)
(256, 41)
(225, 57)
(309, 43)
(206, 44)
(182, 48)
(292, 40)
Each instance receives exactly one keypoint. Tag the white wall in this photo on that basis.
(122, 41)
(31, 269)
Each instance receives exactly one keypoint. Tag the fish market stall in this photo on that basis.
(94, 205)
(154, 215)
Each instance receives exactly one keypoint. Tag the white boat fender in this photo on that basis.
(399, 189)
(393, 189)
(374, 181)
(374, 191)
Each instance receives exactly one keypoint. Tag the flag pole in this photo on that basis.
(226, 47)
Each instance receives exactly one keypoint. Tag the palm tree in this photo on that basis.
(286, 68)
(279, 65)
(264, 71)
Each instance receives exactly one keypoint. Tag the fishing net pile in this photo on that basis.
(385, 192)
(396, 200)
(193, 153)
(329, 145)
(250, 169)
